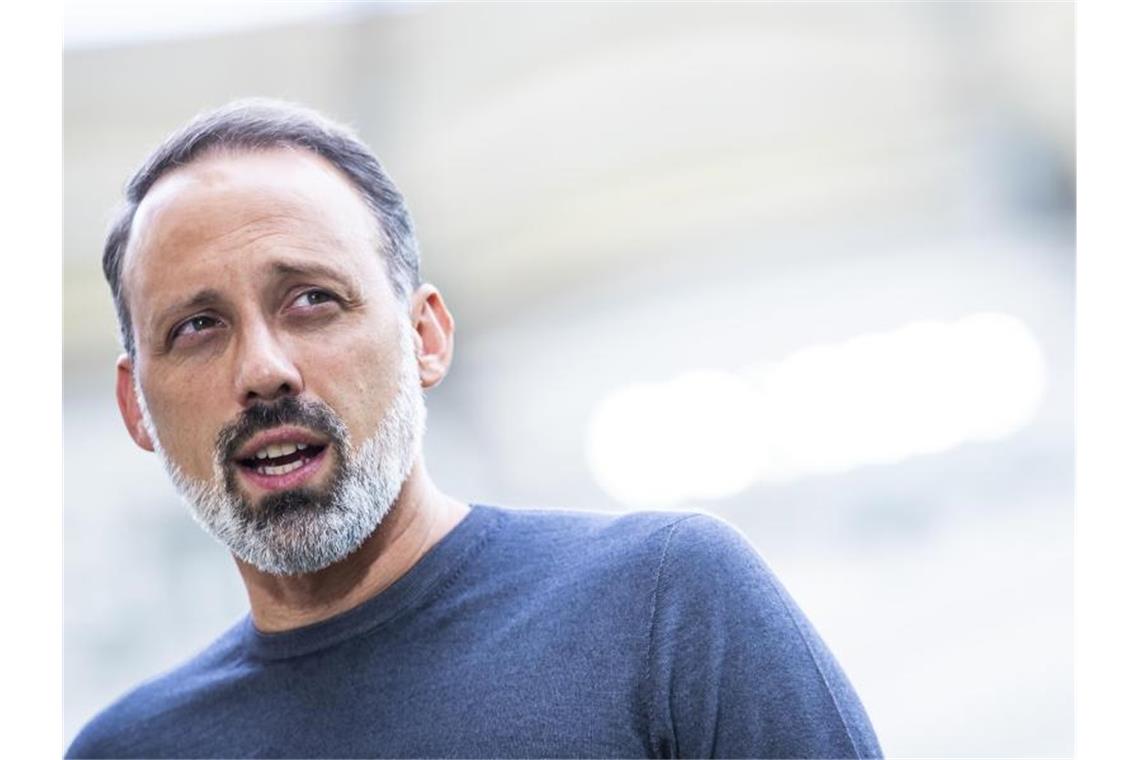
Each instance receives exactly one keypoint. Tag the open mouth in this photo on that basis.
(281, 465)
(281, 458)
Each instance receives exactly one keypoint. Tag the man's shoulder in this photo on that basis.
(127, 726)
(593, 535)
(684, 565)
(681, 550)
(589, 524)
(695, 531)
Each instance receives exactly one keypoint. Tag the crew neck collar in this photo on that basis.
(429, 574)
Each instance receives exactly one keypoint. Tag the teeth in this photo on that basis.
(281, 469)
(279, 450)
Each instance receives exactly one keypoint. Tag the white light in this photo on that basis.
(658, 444)
(875, 399)
(1009, 380)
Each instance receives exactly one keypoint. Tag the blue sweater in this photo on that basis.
(521, 634)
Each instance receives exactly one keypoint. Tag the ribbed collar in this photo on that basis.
(432, 572)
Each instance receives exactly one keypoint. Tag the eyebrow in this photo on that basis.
(204, 297)
(312, 268)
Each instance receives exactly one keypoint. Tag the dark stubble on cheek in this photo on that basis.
(284, 507)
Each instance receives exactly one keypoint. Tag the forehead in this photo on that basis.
(227, 209)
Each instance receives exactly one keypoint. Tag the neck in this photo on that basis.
(421, 516)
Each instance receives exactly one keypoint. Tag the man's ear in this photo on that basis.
(129, 403)
(434, 334)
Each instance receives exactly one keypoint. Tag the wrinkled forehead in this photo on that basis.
(225, 203)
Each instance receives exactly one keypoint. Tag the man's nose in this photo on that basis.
(265, 369)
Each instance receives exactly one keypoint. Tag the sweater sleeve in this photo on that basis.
(735, 669)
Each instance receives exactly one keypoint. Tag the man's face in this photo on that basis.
(275, 366)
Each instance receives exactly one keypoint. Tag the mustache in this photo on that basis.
(287, 410)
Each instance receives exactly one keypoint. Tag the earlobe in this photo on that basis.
(129, 404)
(435, 332)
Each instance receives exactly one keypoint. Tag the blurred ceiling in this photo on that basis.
(547, 146)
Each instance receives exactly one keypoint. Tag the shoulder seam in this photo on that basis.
(819, 671)
(647, 676)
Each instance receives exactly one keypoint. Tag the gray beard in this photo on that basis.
(310, 531)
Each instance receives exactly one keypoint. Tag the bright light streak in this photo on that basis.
(876, 399)
(660, 443)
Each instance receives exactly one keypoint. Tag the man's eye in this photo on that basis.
(313, 298)
(194, 325)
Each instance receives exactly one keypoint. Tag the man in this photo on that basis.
(277, 343)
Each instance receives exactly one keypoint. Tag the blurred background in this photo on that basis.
(805, 267)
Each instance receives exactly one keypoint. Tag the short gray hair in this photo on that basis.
(259, 124)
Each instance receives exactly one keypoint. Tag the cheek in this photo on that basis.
(358, 381)
(187, 416)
